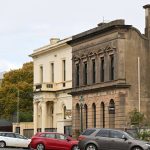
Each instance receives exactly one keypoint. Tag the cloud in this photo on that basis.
(7, 66)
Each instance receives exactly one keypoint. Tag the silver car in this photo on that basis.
(110, 139)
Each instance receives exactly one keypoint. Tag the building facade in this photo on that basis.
(52, 83)
(110, 75)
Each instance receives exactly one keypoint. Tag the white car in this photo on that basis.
(10, 139)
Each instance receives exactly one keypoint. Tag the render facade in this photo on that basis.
(52, 83)
(110, 75)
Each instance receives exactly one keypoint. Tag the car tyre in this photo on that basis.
(40, 146)
(137, 148)
(91, 147)
(2, 144)
(75, 147)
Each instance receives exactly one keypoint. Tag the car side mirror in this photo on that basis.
(124, 137)
(68, 138)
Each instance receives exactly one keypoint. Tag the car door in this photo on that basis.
(102, 138)
(117, 142)
(50, 141)
(10, 140)
(62, 142)
(22, 141)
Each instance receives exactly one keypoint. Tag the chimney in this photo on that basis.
(54, 40)
(147, 20)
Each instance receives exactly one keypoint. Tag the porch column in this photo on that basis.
(44, 116)
(35, 117)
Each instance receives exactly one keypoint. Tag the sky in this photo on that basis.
(26, 25)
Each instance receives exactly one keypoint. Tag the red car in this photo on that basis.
(53, 141)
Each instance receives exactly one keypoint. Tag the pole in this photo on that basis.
(81, 119)
(139, 86)
(18, 106)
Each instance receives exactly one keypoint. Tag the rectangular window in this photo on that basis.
(77, 74)
(41, 74)
(64, 72)
(52, 72)
(102, 70)
(93, 70)
(111, 67)
(85, 73)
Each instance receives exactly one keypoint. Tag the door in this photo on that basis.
(117, 142)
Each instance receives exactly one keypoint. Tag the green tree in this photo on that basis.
(17, 84)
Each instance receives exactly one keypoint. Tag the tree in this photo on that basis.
(17, 84)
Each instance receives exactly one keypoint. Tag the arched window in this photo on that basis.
(77, 117)
(86, 116)
(111, 110)
(94, 115)
(64, 112)
(102, 115)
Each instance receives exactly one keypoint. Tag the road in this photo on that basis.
(13, 149)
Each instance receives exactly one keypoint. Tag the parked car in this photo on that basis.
(10, 139)
(53, 141)
(110, 139)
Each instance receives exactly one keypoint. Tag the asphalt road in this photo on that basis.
(13, 149)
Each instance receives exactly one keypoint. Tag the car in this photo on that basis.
(109, 139)
(11, 139)
(53, 141)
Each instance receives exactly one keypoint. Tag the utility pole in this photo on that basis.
(18, 100)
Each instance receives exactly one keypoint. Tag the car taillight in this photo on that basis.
(81, 138)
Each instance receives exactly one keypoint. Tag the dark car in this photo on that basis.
(53, 141)
(110, 139)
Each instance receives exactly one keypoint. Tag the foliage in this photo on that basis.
(138, 121)
(16, 88)
(144, 135)
(136, 118)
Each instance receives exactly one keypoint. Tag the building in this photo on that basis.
(111, 68)
(52, 83)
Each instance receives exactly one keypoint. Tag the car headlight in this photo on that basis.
(147, 144)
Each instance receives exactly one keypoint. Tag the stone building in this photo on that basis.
(110, 77)
(52, 83)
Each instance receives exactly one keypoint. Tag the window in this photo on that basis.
(52, 72)
(77, 74)
(111, 67)
(50, 135)
(85, 73)
(41, 74)
(103, 133)
(64, 112)
(93, 70)
(64, 71)
(88, 132)
(116, 134)
(94, 115)
(61, 137)
(102, 70)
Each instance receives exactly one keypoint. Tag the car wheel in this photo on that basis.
(2, 144)
(40, 147)
(91, 147)
(137, 148)
(75, 147)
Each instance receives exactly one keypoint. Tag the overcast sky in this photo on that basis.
(26, 25)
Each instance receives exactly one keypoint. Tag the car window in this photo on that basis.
(2, 134)
(20, 136)
(50, 135)
(103, 133)
(116, 134)
(10, 135)
(88, 132)
(60, 136)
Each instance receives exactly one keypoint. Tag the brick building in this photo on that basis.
(110, 74)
